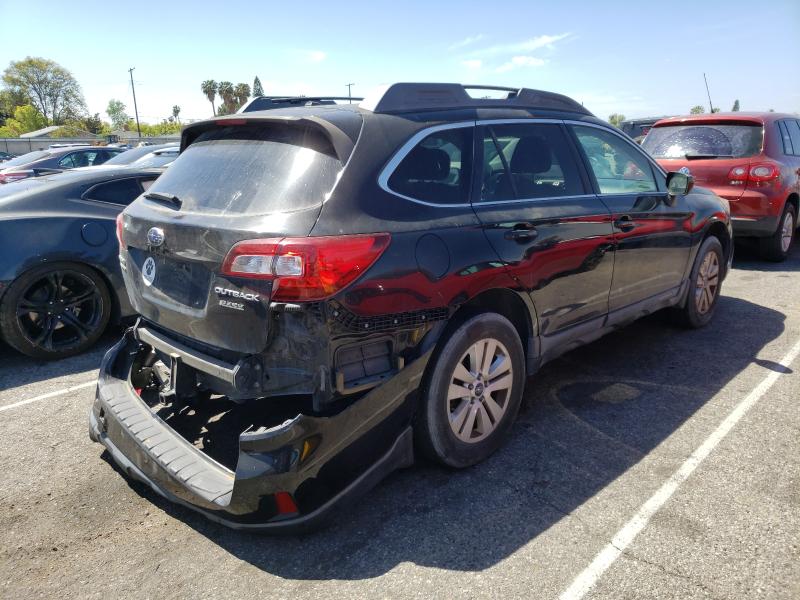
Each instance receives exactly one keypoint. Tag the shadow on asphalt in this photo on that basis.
(746, 258)
(588, 418)
(18, 370)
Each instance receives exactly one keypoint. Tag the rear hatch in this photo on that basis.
(235, 181)
(714, 151)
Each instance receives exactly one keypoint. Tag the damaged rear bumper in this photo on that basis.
(321, 462)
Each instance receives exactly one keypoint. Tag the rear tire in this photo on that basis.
(55, 310)
(776, 247)
(705, 283)
(472, 392)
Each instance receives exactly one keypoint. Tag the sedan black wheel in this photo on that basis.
(55, 311)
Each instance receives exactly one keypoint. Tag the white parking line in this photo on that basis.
(50, 395)
(606, 557)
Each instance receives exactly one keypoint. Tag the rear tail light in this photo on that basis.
(757, 173)
(120, 229)
(306, 269)
(9, 177)
(285, 504)
(764, 172)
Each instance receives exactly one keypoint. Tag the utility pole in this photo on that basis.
(135, 109)
(349, 95)
(709, 93)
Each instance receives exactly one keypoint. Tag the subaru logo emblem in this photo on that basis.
(155, 237)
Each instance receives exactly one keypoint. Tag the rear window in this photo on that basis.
(704, 141)
(26, 158)
(252, 169)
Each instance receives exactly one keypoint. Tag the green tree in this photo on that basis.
(116, 112)
(26, 119)
(257, 89)
(715, 110)
(53, 91)
(241, 93)
(226, 92)
(176, 111)
(697, 110)
(93, 124)
(209, 88)
(9, 101)
(735, 106)
(616, 119)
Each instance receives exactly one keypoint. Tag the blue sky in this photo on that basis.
(636, 58)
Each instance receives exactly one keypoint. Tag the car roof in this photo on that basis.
(708, 118)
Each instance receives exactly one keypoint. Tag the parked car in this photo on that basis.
(750, 159)
(4, 156)
(43, 162)
(271, 102)
(328, 291)
(60, 283)
(637, 129)
(130, 156)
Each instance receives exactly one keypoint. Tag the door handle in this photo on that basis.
(624, 223)
(522, 232)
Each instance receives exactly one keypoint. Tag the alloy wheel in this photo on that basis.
(707, 283)
(480, 389)
(60, 310)
(787, 231)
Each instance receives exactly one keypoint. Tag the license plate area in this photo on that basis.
(182, 282)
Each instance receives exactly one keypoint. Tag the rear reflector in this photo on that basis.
(305, 269)
(120, 227)
(285, 504)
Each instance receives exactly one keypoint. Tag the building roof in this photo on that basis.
(41, 132)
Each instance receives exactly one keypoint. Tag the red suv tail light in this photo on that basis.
(9, 177)
(764, 172)
(756, 173)
(305, 269)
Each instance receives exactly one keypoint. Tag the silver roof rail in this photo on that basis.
(413, 97)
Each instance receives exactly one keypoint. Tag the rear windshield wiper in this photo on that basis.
(166, 198)
(695, 156)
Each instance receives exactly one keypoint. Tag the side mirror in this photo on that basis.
(679, 184)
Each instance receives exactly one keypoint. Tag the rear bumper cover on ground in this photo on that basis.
(353, 450)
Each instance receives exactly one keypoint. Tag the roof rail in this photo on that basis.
(408, 97)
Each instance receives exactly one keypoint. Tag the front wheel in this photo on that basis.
(705, 281)
(472, 392)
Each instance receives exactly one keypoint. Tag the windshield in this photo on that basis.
(127, 157)
(252, 169)
(712, 141)
(26, 158)
(155, 159)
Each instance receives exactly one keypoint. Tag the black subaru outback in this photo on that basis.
(325, 292)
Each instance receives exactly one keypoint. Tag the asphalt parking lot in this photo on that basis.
(653, 463)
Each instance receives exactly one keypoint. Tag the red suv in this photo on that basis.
(750, 159)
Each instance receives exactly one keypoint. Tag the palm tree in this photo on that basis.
(209, 88)
(242, 93)
(176, 111)
(225, 90)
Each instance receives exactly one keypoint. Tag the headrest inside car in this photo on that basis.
(426, 164)
(532, 155)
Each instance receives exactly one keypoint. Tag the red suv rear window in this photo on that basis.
(704, 141)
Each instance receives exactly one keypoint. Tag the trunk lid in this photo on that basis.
(709, 148)
(233, 183)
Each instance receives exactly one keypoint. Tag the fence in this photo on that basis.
(23, 145)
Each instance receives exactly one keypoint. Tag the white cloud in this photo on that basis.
(521, 61)
(540, 41)
(316, 56)
(472, 63)
(467, 41)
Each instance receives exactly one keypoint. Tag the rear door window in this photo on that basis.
(122, 191)
(438, 169)
(794, 133)
(528, 161)
(618, 166)
(252, 169)
(711, 141)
